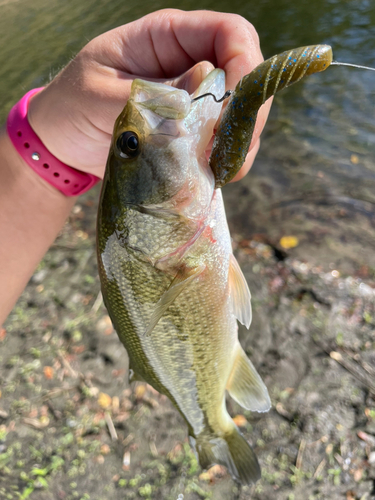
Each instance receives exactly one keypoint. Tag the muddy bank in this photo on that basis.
(70, 426)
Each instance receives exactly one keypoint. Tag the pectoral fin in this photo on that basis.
(239, 293)
(245, 385)
(182, 279)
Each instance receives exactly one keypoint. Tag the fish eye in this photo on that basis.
(128, 144)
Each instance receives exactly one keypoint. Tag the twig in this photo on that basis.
(57, 391)
(111, 427)
(55, 413)
(359, 374)
(34, 422)
(67, 365)
(356, 357)
(98, 302)
(129, 438)
(301, 449)
(126, 461)
(354, 370)
(154, 450)
(366, 437)
(339, 459)
(320, 468)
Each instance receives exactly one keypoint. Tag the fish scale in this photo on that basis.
(170, 282)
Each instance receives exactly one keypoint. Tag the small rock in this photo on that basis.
(39, 276)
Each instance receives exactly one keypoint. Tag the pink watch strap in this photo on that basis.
(68, 180)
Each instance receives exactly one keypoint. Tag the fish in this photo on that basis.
(170, 282)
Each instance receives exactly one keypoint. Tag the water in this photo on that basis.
(315, 175)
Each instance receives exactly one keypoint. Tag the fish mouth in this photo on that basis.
(162, 100)
(163, 108)
(169, 113)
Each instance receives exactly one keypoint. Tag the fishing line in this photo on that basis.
(335, 63)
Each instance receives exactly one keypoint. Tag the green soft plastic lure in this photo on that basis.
(236, 128)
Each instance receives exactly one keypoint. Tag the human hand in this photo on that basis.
(74, 115)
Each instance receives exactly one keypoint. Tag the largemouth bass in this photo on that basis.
(170, 281)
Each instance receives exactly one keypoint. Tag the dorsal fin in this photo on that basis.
(239, 293)
(245, 385)
(182, 279)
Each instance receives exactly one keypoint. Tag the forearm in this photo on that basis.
(32, 212)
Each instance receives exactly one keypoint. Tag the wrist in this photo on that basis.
(68, 180)
(39, 117)
(32, 212)
(16, 172)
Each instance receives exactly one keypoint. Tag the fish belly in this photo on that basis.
(189, 353)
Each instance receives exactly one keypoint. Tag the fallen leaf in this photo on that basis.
(358, 475)
(82, 234)
(204, 476)
(140, 391)
(366, 437)
(212, 473)
(336, 356)
(48, 372)
(371, 458)
(105, 449)
(115, 404)
(104, 400)
(289, 242)
(78, 349)
(38, 424)
(93, 391)
(104, 325)
(329, 449)
(240, 420)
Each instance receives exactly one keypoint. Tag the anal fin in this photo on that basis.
(239, 293)
(245, 385)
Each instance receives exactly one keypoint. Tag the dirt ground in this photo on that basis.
(72, 428)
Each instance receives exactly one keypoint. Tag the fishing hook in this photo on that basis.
(227, 94)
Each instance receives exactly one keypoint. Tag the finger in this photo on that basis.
(230, 42)
(192, 78)
(168, 42)
(165, 44)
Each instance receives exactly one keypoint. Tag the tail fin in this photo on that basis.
(232, 451)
